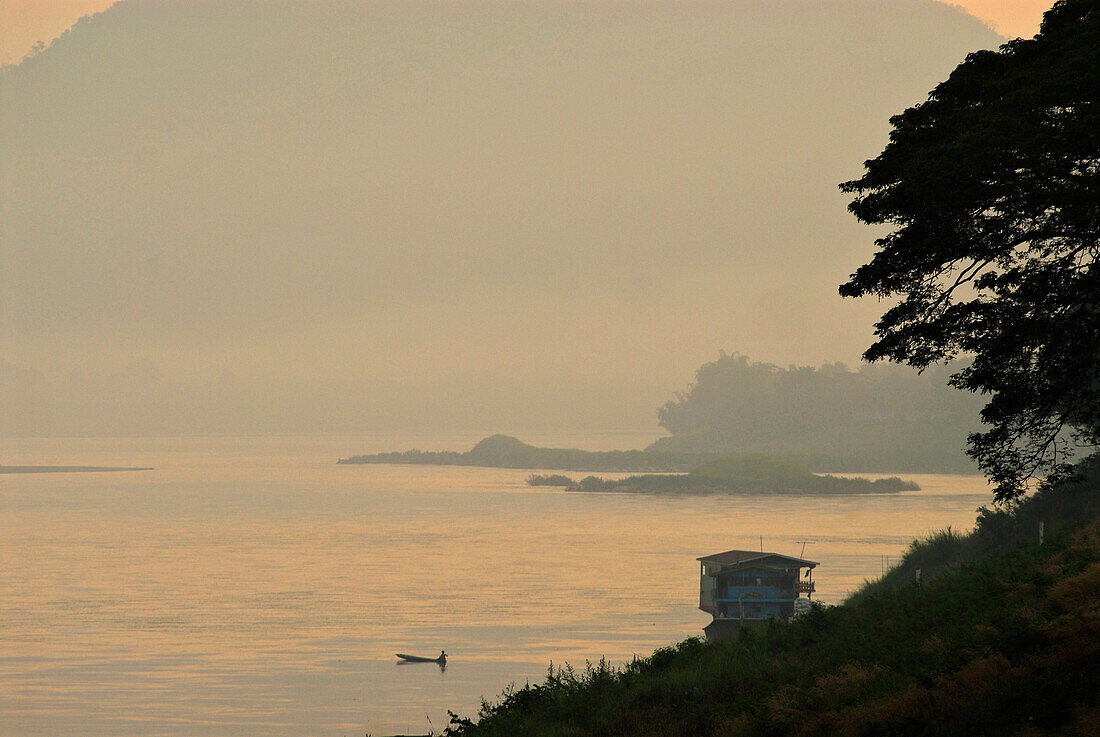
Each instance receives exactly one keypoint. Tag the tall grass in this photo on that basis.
(1004, 638)
(999, 530)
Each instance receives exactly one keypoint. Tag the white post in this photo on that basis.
(1041, 530)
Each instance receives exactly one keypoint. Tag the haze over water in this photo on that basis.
(252, 586)
(289, 216)
(223, 219)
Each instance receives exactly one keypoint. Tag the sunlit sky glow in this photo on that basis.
(23, 22)
(515, 213)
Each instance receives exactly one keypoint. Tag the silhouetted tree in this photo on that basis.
(992, 190)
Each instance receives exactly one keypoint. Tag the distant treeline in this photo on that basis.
(502, 451)
(883, 417)
(734, 474)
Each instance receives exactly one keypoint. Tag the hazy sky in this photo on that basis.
(503, 215)
(22, 22)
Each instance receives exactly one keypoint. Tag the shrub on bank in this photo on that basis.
(1002, 638)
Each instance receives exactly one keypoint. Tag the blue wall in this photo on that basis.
(774, 597)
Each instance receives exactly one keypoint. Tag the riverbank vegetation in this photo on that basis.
(990, 194)
(1001, 637)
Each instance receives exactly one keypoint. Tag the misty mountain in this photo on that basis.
(389, 206)
(881, 417)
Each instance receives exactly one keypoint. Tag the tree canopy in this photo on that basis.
(877, 418)
(991, 191)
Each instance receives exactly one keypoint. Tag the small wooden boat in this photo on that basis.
(418, 659)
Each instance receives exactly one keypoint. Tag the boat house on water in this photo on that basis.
(741, 588)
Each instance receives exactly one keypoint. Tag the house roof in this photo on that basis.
(735, 557)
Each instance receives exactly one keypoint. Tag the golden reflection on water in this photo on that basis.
(252, 586)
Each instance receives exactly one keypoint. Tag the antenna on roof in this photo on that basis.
(761, 543)
(804, 544)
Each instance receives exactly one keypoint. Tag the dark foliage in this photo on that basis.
(992, 190)
(1004, 642)
(1002, 529)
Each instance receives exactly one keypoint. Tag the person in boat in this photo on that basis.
(442, 655)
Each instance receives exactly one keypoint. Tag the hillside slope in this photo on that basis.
(1009, 644)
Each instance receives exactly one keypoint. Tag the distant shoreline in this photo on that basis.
(502, 451)
(72, 469)
(660, 471)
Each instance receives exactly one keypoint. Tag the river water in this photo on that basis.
(251, 586)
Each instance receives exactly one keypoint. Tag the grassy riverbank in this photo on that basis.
(1003, 637)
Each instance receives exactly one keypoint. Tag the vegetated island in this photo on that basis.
(879, 418)
(503, 451)
(1001, 636)
(71, 469)
(749, 474)
(661, 471)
